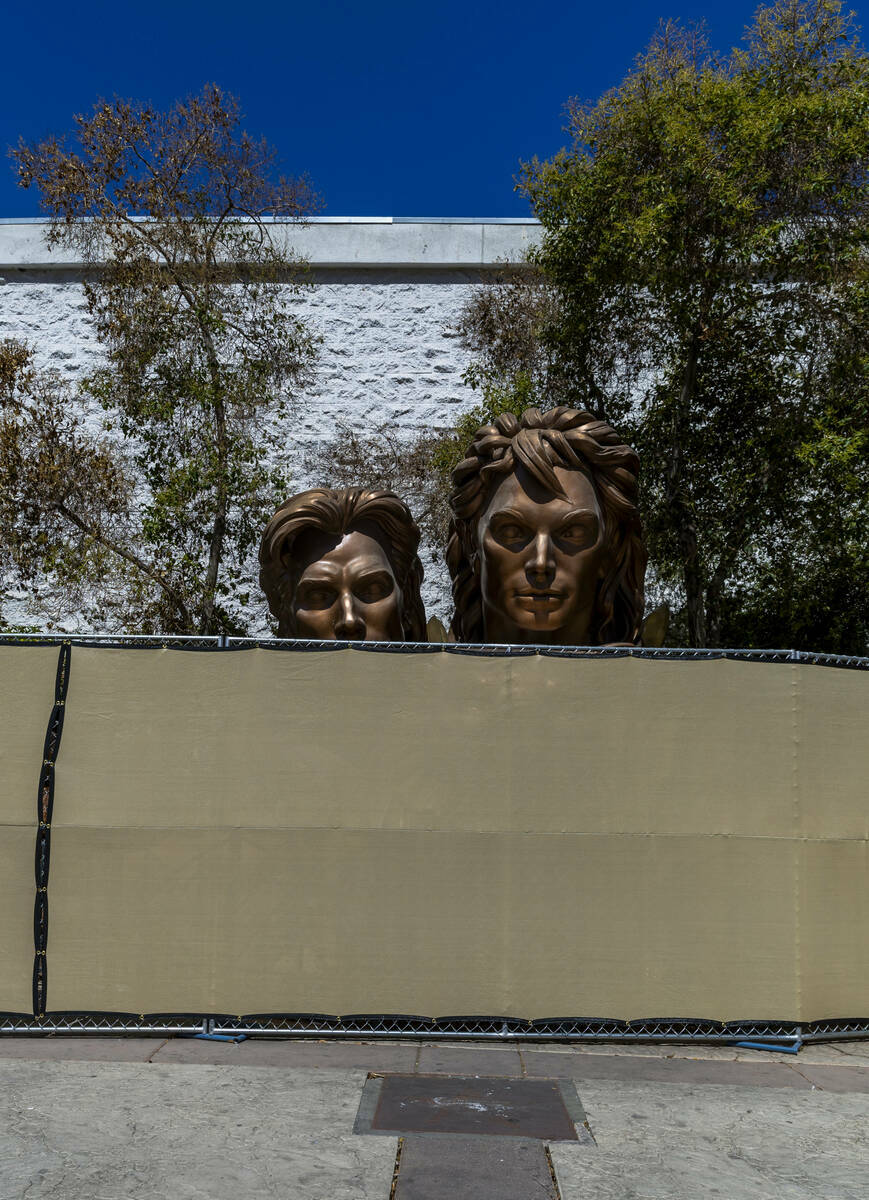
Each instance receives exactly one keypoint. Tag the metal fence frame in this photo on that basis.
(392, 1026)
(222, 642)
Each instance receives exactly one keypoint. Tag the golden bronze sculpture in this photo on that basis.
(344, 564)
(546, 542)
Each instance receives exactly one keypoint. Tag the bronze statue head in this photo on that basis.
(546, 542)
(344, 564)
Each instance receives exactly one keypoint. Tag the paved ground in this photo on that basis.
(142, 1118)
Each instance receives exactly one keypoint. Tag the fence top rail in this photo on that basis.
(221, 642)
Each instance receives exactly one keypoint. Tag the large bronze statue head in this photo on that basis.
(344, 564)
(546, 543)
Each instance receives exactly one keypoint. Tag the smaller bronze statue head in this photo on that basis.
(344, 564)
(546, 542)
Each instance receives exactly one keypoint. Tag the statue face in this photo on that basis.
(541, 558)
(347, 589)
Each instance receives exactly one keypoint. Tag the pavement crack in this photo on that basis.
(556, 1190)
(848, 1053)
(154, 1053)
(396, 1168)
(802, 1075)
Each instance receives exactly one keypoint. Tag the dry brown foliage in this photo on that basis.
(183, 216)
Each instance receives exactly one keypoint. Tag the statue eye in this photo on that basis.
(577, 532)
(511, 532)
(316, 597)
(369, 591)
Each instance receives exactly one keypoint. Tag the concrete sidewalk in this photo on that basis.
(88, 1118)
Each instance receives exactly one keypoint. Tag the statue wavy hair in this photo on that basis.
(540, 442)
(337, 512)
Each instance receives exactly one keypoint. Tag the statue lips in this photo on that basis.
(534, 601)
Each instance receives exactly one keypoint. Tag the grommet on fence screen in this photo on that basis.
(45, 805)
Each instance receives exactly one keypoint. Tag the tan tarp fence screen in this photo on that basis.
(348, 831)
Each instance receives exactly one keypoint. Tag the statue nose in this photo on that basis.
(350, 625)
(540, 567)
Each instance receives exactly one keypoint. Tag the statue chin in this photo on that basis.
(541, 622)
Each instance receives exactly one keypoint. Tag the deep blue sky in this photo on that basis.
(392, 109)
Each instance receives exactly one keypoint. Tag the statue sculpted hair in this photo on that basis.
(338, 512)
(540, 442)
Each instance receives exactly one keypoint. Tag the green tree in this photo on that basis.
(182, 217)
(419, 468)
(813, 580)
(66, 500)
(703, 277)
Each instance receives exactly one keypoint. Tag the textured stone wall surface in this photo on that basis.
(388, 354)
(385, 299)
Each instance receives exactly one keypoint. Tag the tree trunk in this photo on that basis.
(679, 507)
(726, 564)
(695, 608)
(218, 530)
(714, 594)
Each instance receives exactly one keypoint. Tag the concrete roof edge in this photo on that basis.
(321, 220)
(384, 242)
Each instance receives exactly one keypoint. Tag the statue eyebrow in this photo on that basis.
(375, 573)
(509, 512)
(580, 514)
(325, 574)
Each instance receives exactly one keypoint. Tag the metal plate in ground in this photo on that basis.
(473, 1168)
(546, 1109)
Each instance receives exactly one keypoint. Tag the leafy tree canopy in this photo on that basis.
(702, 284)
(182, 216)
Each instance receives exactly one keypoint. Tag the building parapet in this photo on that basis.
(331, 242)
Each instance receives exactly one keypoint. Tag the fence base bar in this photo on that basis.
(770, 1035)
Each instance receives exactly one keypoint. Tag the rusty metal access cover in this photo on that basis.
(461, 1104)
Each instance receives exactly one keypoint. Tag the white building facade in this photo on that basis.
(385, 298)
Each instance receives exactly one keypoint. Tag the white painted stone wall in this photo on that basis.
(385, 298)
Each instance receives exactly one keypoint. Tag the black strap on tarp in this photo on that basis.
(44, 810)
